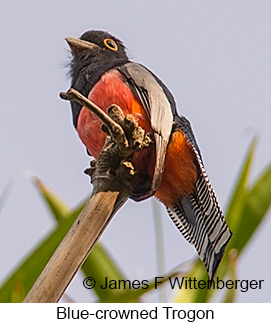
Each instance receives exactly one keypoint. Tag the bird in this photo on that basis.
(172, 169)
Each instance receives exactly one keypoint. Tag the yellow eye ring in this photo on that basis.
(109, 43)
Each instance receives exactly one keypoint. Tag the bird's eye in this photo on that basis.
(109, 43)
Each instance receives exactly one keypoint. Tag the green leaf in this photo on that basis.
(28, 271)
(252, 203)
(231, 293)
(239, 195)
(99, 265)
(247, 209)
(134, 295)
(58, 208)
(236, 210)
(258, 202)
(192, 295)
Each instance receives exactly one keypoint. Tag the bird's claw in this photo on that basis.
(133, 137)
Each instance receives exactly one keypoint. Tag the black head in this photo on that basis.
(110, 45)
(93, 47)
(94, 53)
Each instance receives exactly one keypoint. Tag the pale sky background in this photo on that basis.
(215, 58)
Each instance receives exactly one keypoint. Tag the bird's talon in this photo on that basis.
(89, 171)
(105, 129)
(115, 113)
(93, 163)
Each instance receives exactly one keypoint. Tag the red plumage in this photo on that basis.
(176, 181)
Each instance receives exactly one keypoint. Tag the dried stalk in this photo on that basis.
(112, 177)
(115, 130)
(73, 250)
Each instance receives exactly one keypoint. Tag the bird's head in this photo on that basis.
(97, 50)
(97, 45)
(93, 53)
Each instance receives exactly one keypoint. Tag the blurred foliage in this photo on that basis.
(98, 264)
(247, 208)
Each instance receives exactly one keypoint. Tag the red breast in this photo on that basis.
(180, 172)
(112, 89)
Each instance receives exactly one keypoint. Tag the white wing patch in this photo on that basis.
(159, 109)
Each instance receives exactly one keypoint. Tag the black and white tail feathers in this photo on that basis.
(198, 216)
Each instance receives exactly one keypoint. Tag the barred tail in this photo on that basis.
(201, 221)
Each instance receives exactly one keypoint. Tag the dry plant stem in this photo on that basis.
(112, 177)
(73, 250)
(115, 130)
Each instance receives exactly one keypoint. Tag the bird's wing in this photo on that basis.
(158, 103)
(198, 216)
